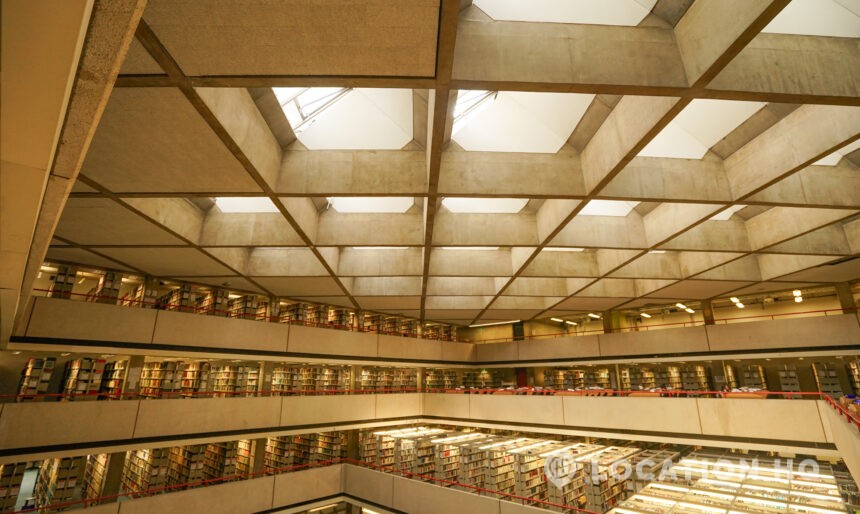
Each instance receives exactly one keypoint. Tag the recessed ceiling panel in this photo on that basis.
(169, 262)
(521, 122)
(837, 18)
(99, 221)
(273, 37)
(602, 12)
(229, 282)
(697, 289)
(79, 256)
(300, 286)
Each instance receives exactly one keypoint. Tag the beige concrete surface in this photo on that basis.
(50, 423)
(56, 318)
(202, 415)
(185, 329)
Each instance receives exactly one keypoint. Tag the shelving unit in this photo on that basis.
(245, 449)
(82, 379)
(160, 378)
(220, 459)
(482, 378)
(244, 307)
(731, 376)
(696, 378)
(144, 469)
(285, 380)
(447, 456)
(214, 303)
(848, 489)
(235, 380)
(441, 379)
(113, 379)
(565, 378)
(574, 491)
(368, 446)
(668, 377)
(634, 378)
(185, 464)
(195, 379)
(35, 378)
(827, 379)
(95, 472)
(11, 476)
(328, 446)
(180, 299)
(529, 470)
(58, 480)
(788, 381)
(754, 377)
(597, 378)
(652, 462)
(285, 451)
(108, 288)
(854, 375)
(608, 489)
(64, 281)
(414, 451)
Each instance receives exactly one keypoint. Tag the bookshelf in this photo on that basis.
(185, 464)
(11, 476)
(754, 377)
(220, 459)
(108, 288)
(82, 379)
(285, 380)
(194, 378)
(95, 472)
(482, 378)
(214, 303)
(435, 378)
(500, 472)
(243, 307)
(64, 281)
(384, 378)
(328, 446)
(598, 378)
(58, 480)
(160, 378)
(565, 378)
(286, 451)
(180, 299)
(609, 488)
(634, 378)
(668, 377)
(368, 446)
(144, 469)
(731, 376)
(113, 379)
(245, 449)
(529, 467)
(651, 462)
(827, 379)
(36, 378)
(853, 369)
(574, 491)
(235, 380)
(413, 449)
(696, 378)
(788, 380)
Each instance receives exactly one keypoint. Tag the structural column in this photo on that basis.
(113, 474)
(846, 298)
(708, 312)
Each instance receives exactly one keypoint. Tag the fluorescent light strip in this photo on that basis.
(573, 323)
(593, 315)
(644, 314)
(496, 323)
(557, 320)
(562, 249)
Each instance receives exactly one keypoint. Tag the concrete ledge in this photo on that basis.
(398, 405)
(676, 415)
(393, 347)
(559, 348)
(25, 425)
(245, 496)
(309, 410)
(673, 340)
(369, 485)
(788, 420)
(65, 319)
(307, 485)
(839, 330)
(489, 352)
(202, 415)
(184, 329)
(331, 342)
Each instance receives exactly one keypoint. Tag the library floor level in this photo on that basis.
(430, 256)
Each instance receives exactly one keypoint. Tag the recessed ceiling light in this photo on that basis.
(571, 323)
(739, 305)
(234, 204)
(557, 320)
(798, 299)
(593, 315)
(657, 251)
(691, 311)
(644, 314)
(563, 249)
(607, 208)
(797, 292)
(470, 247)
(485, 205)
(371, 204)
(680, 305)
(734, 299)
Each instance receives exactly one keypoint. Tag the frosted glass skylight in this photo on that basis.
(516, 121)
(835, 18)
(701, 125)
(380, 247)
(232, 204)
(727, 214)
(485, 205)
(607, 208)
(834, 158)
(325, 118)
(562, 249)
(475, 248)
(382, 204)
(600, 12)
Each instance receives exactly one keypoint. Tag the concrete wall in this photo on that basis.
(81, 321)
(845, 435)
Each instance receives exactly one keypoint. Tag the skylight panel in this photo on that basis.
(485, 205)
(602, 12)
(234, 204)
(701, 125)
(371, 204)
(469, 104)
(834, 18)
(470, 248)
(562, 249)
(834, 158)
(380, 247)
(607, 208)
(727, 214)
(327, 118)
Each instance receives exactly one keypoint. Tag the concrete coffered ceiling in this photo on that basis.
(654, 151)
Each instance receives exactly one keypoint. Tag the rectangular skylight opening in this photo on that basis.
(470, 103)
(608, 208)
(371, 204)
(246, 204)
(471, 248)
(485, 205)
(380, 247)
(727, 213)
(562, 249)
(302, 104)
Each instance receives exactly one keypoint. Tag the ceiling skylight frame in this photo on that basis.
(475, 103)
(612, 208)
(245, 204)
(477, 205)
(308, 115)
(353, 204)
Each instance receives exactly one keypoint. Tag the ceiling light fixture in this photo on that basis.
(644, 314)
(302, 105)
(572, 323)
(798, 299)
(657, 251)
(691, 311)
(680, 305)
(734, 299)
(593, 315)
(797, 292)
(557, 320)
(244, 204)
(495, 323)
(739, 305)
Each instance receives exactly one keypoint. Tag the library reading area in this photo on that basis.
(430, 256)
